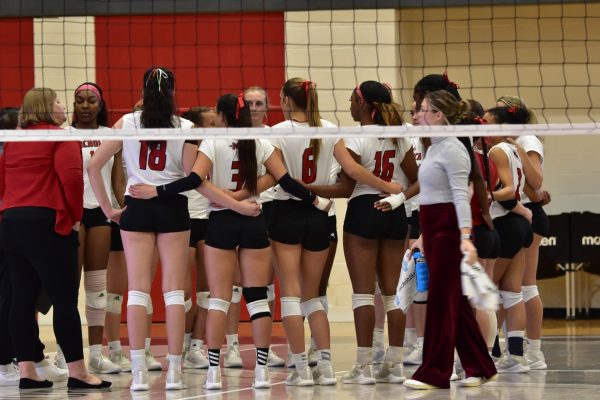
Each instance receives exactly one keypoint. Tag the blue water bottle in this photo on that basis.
(422, 271)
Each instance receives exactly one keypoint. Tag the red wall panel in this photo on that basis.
(16, 60)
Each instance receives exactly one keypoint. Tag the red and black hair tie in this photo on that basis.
(239, 105)
(448, 81)
(480, 121)
(512, 109)
(307, 85)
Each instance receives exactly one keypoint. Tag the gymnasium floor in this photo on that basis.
(572, 352)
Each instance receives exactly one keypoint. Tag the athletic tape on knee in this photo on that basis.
(218, 305)
(94, 283)
(271, 293)
(510, 299)
(290, 307)
(362, 300)
(389, 303)
(114, 303)
(174, 298)
(310, 306)
(202, 299)
(188, 305)
(150, 309)
(236, 294)
(377, 288)
(137, 298)
(95, 316)
(529, 292)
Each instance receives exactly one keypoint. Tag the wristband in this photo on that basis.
(322, 203)
(466, 236)
(395, 200)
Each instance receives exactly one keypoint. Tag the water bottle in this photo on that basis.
(422, 271)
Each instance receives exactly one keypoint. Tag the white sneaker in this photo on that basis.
(233, 359)
(536, 361)
(324, 375)
(50, 371)
(454, 376)
(390, 373)
(100, 364)
(262, 378)
(174, 381)
(474, 381)
(418, 385)
(11, 376)
(139, 381)
(213, 379)
(360, 375)
(195, 359)
(59, 361)
(378, 353)
(300, 378)
(152, 363)
(121, 360)
(511, 364)
(312, 355)
(415, 357)
(290, 361)
(274, 360)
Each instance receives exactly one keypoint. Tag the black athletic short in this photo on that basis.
(198, 231)
(364, 220)
(267, 211)
(93, 217)
(332, 221)
(116, 244)
(415, 229)
(539, 220)
(160, 214)
(515, 233)
(227, 230)
(296, 222)
(487, 242)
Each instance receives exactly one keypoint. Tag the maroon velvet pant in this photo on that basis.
(450, 319)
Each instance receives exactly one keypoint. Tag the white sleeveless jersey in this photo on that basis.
(531, 143)
(88, 147)
(225, 162)
(268, 194)
(381, 157)
(155, 162)
(197, 205)
(299, 158)
(516, 169)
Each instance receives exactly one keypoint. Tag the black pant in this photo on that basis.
(39, 258)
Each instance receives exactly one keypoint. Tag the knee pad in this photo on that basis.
(377, 288)
(218, 305)
(137, 298)
(421, 297)
(150, 308)
(174, 298)
(95, 316)
(510, 299)
(529, 292)
(271, 293)
(96, 300)
(256, 302)
(310, 306)
(94, 283)
(325, 303)
(290, 307)
(202, 299)
(236, 294)
(389, 303)
(362, 300)
(114, 303)
(188, 305)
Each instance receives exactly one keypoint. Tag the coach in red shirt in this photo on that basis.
(41, 185)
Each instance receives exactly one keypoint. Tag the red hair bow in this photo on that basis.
(480, 120)
(239, 105)
(512, 110)
(448, 81)
(307, 85)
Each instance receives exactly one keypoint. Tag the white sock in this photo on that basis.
(232, 339)
(534, 346)
(364, 355)
(394, 354)
(378, 335)
(138, 360)
(174, 362)
(147, 343)
(196, 344)
(114, 346)
(96, 350)
(420, 341)
(324, 357)
(410, 336)
(313, 344)
(300, 360)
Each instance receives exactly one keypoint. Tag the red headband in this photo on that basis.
(448, 81)
(239, 105)
(91, 88)
(360, 96)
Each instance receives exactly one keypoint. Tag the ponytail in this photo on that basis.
(304, 94)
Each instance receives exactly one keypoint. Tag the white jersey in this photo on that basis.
(268, 194)
(531, 143)
(516, 169)
(299, 158)
(225, 162)
(88, 147)
(155, 162)
(381, 157)
(336, 168)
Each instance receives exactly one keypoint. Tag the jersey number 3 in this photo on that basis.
(153, 155)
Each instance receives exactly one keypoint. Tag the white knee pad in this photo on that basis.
(310, 306)
(137, 298)
(96, 300)
(236, 294)
(389, 303)
(362, 300)
(114, 303)
(290, 307)
(188, 305)
(258, 309)
(377, 288)
(271, 293)
(529, 292)
(218, 305)
(150, 308)
(174, 298)
(94, 283)
(510, 299)
(421, 297)
(202, 299)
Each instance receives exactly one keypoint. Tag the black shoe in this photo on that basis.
(76, 384)
(26, 383)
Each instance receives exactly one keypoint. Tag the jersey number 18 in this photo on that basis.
(153, 155)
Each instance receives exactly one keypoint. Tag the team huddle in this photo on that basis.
(241, 212)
